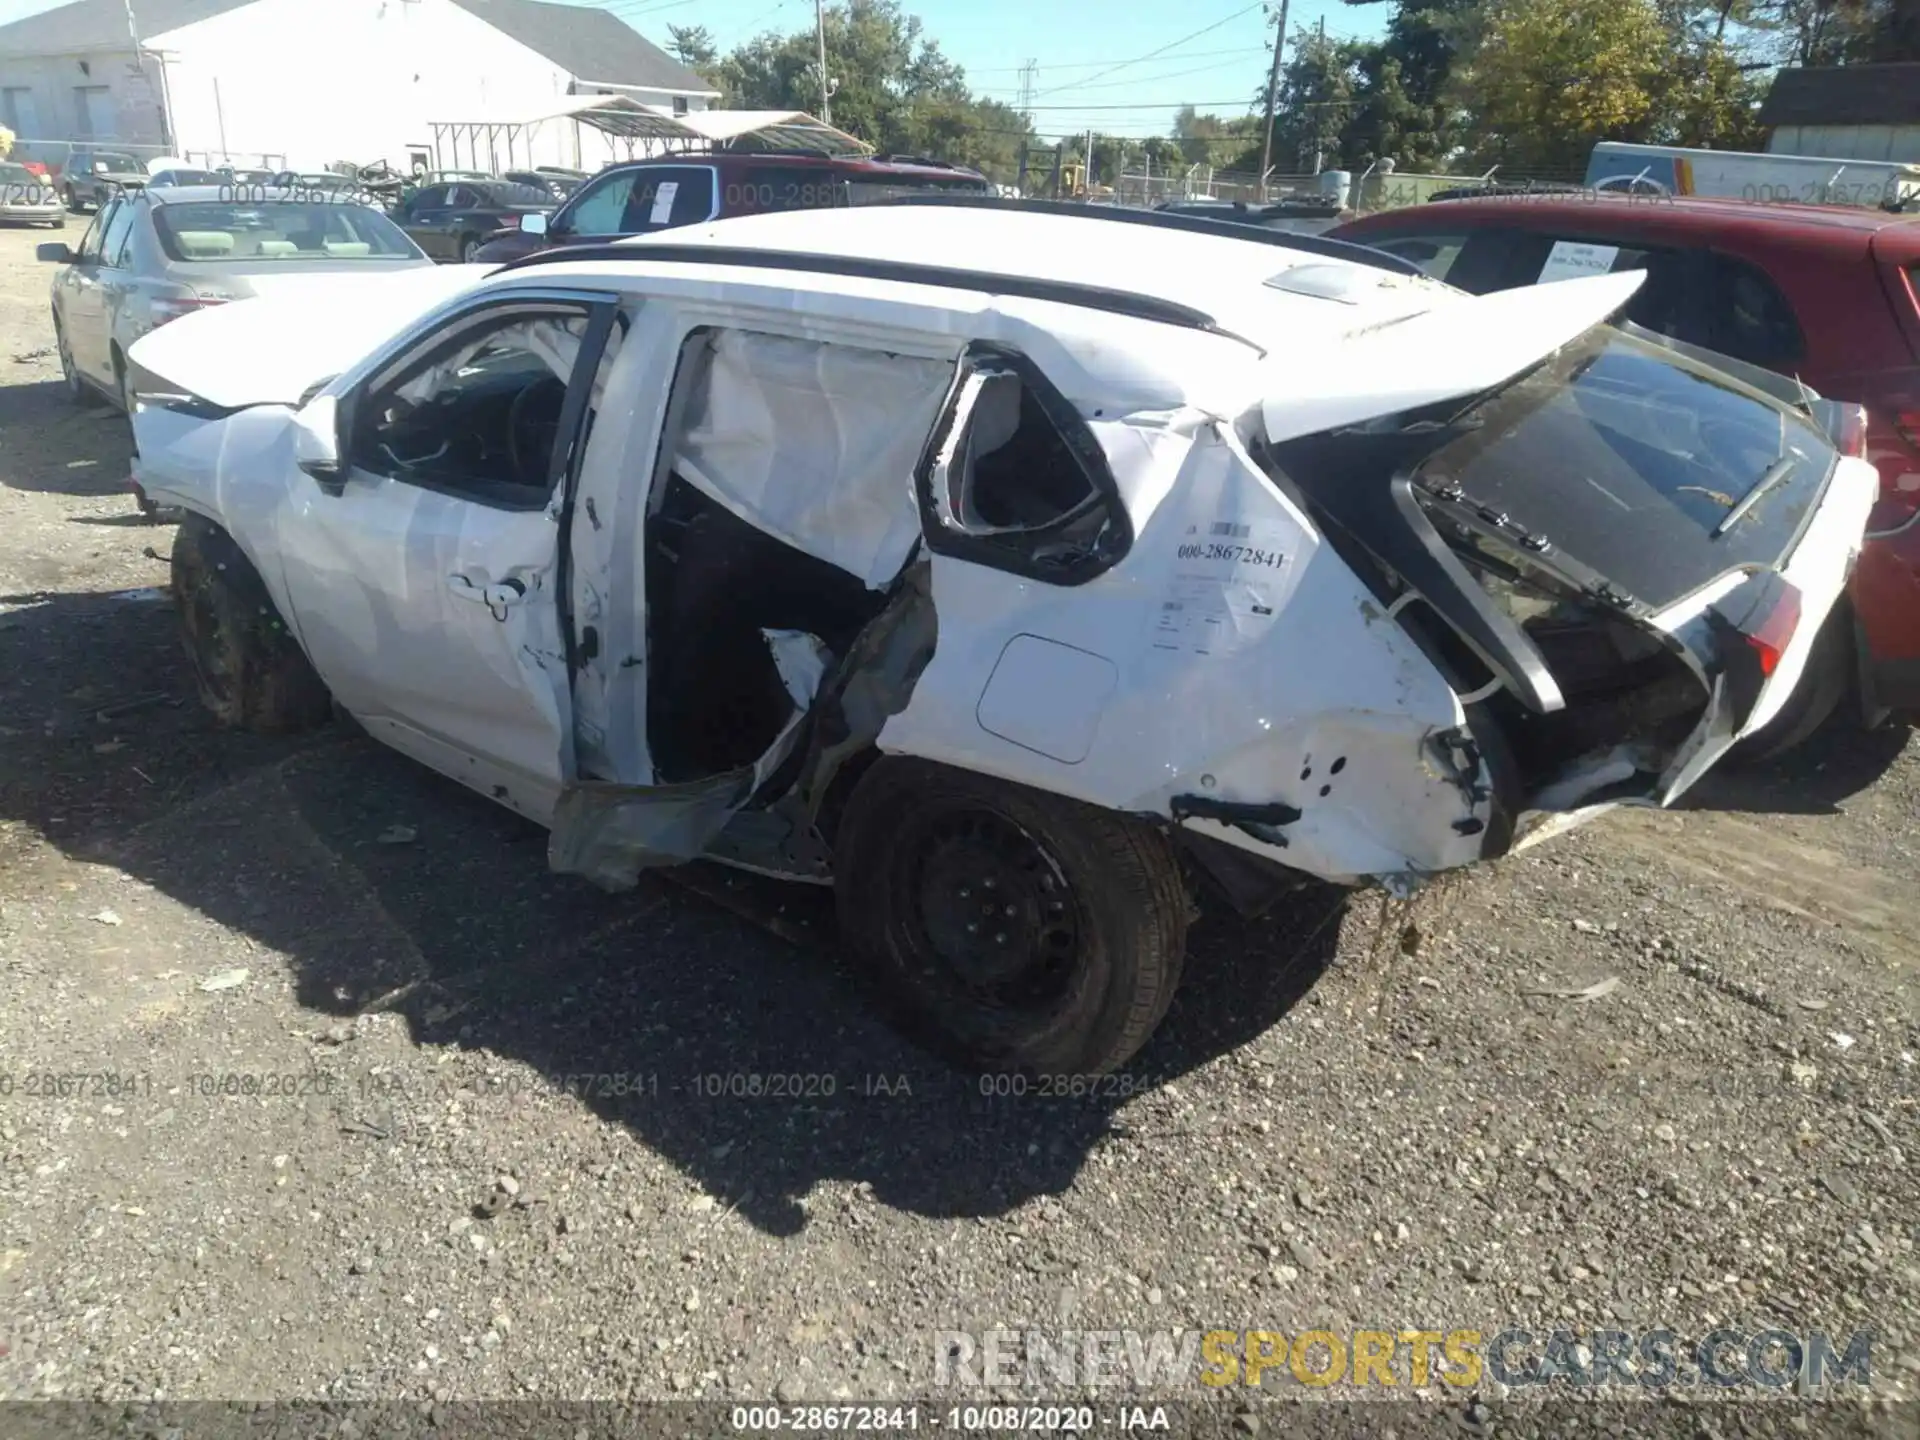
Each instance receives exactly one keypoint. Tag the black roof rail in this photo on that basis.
(1173, 220)
(905, 272)
(929, 161)
(747, 145)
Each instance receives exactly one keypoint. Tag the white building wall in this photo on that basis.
(362, 80)
(130, 115)
(1848, 142)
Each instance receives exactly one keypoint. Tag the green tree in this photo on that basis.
(1318, 97)
(1548, 78)
(1210, 140)
(894, 88)
(692, 46)
(1894, 32)
(1825, 32)
(1406, 108)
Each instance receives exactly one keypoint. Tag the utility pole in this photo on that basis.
(1029, 73)
(826, 85)
(1273, 94)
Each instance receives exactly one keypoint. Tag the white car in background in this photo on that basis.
(29, 199)
(151, 256)
(1016, 589)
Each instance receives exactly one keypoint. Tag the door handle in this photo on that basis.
(498, 597)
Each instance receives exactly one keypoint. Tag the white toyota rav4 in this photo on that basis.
(1013, 568)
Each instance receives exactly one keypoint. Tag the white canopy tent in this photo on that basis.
(622, 124)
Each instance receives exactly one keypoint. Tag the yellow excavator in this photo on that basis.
(1073, 184)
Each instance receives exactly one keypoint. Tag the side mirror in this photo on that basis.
(316, 443)
(533, 224)
(54, 252)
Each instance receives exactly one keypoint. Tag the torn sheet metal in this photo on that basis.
(610, 832)
(863, 690)
(815, 444)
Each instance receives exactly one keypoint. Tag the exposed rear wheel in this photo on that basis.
(470, 250)
(250, 670)
(1010, 929)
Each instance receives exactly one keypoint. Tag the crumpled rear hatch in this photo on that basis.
(1618, 557)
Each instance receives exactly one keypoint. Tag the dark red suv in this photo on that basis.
(643, 196)
(1829, 294)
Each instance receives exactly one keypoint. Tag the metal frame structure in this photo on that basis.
(509, 143)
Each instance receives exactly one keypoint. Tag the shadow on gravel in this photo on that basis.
(1835, 763)
(760, 1067)
(50, 445)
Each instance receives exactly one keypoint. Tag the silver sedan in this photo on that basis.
(27, 198)
(151, 256)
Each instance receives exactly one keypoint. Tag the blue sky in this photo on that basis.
(1120, 66)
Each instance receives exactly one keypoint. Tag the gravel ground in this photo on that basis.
(1659, 1074)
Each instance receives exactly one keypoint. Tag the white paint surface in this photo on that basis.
(1292, 687)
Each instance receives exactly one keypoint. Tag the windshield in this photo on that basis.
(116, 163)
(516, 194)
(214, 231)
(191, 177)
(872, 192)
(1632, 461)
(764, 188)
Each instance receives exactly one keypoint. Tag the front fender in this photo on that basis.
(235, 470)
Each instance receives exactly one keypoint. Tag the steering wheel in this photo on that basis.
(533, 419)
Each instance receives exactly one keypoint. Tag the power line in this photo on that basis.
(1140, 80)
(1175, 45)
(1095, 64)
(627, 11)
(1144, 105)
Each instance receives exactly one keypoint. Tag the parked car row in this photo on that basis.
(29, 199)
(1015, 568)
(152, 255)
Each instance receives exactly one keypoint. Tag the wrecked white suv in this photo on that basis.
(1008, 567)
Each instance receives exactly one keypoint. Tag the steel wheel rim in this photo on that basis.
(209, 650)
(994, 923)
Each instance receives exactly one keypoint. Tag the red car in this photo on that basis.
(1828, 294)
(643, 196)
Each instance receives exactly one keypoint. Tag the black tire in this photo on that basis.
(1823, 685)
(1093, 904)
(250, 670)
(74, 387)
(469, 249)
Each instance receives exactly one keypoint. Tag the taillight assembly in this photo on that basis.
(173, 307)
(1907, 425)
(1845, 424)
(1755, 623)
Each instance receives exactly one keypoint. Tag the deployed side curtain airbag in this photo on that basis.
(815, 444)
(557, 342)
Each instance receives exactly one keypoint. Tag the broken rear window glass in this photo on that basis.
(1016, 479)
(1632, 460)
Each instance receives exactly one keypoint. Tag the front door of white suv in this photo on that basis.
(423, 577)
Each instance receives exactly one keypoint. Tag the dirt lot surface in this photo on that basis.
(1343, 1125)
